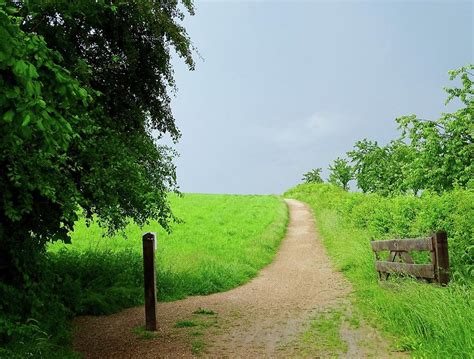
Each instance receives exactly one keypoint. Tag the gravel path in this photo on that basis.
(259, 319)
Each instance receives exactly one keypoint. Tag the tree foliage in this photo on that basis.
(313, 176)
(341, 173)
(42, 114)
(444, 148)
(84, 98)
(381, 169)
(435, 155)
(121, 50)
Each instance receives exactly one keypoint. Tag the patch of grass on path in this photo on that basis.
(185, 324)
(223, 242)
(141, 333)
(322, 339)
(197, 347)
(202, 311)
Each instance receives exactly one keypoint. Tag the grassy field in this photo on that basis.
(222, 242)
(427, 320)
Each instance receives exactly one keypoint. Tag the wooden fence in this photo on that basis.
(401, 262)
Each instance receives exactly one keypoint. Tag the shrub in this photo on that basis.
(405, 216)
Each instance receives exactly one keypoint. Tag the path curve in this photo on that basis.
(254, 320)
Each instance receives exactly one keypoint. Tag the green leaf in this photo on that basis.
(82, 92)
(32, 71)
(20, 68)
(8, 117)
(26, 120)
(30, 89)
(40, 125)
(68, 126)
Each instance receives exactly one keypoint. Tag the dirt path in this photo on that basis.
(263, 318)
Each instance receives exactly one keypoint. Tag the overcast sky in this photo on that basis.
(285, 87)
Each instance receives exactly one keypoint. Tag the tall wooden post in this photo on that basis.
(440, 245)
(149, 246)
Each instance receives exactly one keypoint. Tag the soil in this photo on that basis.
(259, 319)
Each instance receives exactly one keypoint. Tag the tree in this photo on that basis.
(84, 101)
(313, 176)
(367, 157)
(436, 155)
(444, 147)
(341, 173)
(41, 108)
(382, 169)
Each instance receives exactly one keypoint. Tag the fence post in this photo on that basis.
(149, 245)
(440, 244)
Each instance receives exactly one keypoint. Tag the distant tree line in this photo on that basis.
(435, 155)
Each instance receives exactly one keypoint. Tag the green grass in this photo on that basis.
(144, 334)
(203, 311)
(197, 347)
(353, 321)
(322, 338)
(428, 320)
(185, 324)
(196, 333)
(223, 242)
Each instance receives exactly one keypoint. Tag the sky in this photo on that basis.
(283, 87)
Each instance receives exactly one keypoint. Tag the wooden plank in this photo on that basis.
(406, 245)
(406, 257)
(417, 270)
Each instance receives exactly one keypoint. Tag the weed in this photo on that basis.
(197, 347)
(353, 321)
(204, 311)
(141, 333)
(185, 324)
(323, 336)
(209, 323)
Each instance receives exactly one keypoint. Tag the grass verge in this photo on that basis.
(428, 320)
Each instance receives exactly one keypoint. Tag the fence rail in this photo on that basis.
(400, 261)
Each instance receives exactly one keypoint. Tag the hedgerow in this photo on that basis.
(405, 216)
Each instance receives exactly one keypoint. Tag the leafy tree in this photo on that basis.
(383, 170)
(43, 115)
(84, 97)
(366, 157)
(41, 108)
(444, 147)
(437, 155)
(313, 176)
(341, 173)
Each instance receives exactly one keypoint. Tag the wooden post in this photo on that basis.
(149, 245)
(440, 246)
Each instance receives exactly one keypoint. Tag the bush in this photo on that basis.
(405, 216)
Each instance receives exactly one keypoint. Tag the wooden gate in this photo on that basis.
(401, 262)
